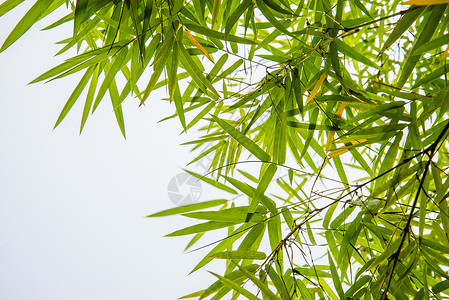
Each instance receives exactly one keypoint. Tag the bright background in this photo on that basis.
(73, 207)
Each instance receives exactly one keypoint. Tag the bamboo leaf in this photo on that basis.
(198, 45)
(75, 95)
(235, 276)
(425, 2)
(404, 23)
(349, 51)
(203, 227)
(30, 18)
(117, 64)
(436, 43)
(235, 214)
(261, 285)
(243, 140)
(194, 70)
(218, 35)
(240, 255)
(9, 5)
(188, 208)
(213, 182)
(424, 37)
(261, 188)
(235, 287)
(158, 65)
(316, 88)
(234, 17)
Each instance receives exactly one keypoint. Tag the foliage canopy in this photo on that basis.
(342, 106)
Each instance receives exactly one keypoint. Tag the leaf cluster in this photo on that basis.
(325, 120)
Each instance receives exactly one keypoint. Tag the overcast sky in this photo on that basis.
(72, 208)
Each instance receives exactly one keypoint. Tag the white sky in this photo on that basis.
(72, 207)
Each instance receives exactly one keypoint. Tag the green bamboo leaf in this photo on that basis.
(225, 244)
(65, 19)
(76, 61)
(276, 7)
(235, 214)
(81, 35)
(435, 74)
(327, 289)
(436, 43)
(249, 191)
(200, 115)
(80, 11)
(158, 64)
(194, 71)
(173, 72)
(305, 292)
(271, 18)
(235, 276)
(434, 245)
(229, 70)
(75, 95)
(342, 217)
(361, 6)
(235, 287)
(202, 227)
(313, 117)
(252, 239)
(218, 35)
(335, 277)
(425, 36)
(116, 105)
(243, 140)
(278, 282)
(349, 51)
(440, 286)
(207, 152)
(213, 182)
(56, 70)
(347, 245)
(90, 96)
(188, 208)
(261, 285)
(90, 62)
(275, 237)
(193, 240)
(240, 255)
(30, 18)
(117, 64)
(404, 23)
(335, 61)
(179, 106)
(116, 24)
(357, 285)
(290, 176)
(192, 295)
(234, 17)
(8, 5)
(261, 188)
(328, 215)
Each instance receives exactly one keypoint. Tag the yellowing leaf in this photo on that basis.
(198, 45)
(330, 136)
(338, 152)
(444, 54)
(215, 11)
(342, 150)
(425, 2)
(316, 88)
